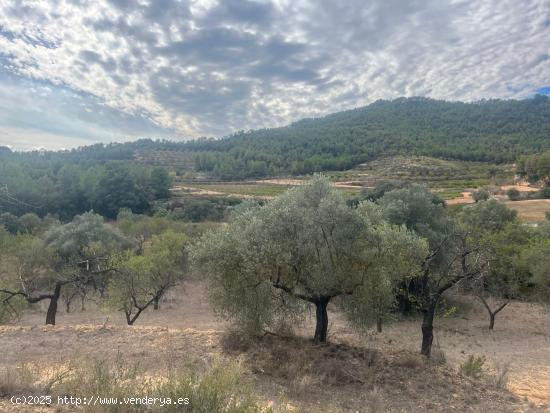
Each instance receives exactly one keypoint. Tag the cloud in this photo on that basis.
(188, 68)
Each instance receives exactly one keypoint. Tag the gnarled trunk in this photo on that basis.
(321, 326)
(52, 308)
(428, 329)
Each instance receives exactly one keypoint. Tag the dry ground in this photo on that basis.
(376, 372)
(531, 210)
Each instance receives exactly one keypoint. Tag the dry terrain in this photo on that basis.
(530, 210)
(354, 373)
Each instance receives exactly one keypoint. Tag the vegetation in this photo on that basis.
(72, 254)
(494, 130)
(305, 247)
(395, 248)
(222, 388)
(398, 249)
(141, 280)
(513, 194)
(535, 167)
(473, 366)
(41, 185)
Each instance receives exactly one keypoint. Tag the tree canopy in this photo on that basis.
(30, 183)
(304, 247)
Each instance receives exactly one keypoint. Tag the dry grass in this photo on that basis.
(531, 210)
(501, 376)
(367, 379)
(376, 372)
(221, 388)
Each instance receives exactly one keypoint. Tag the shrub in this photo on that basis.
(480, 195)
(513, 194)
(544, 193)
(473, 366)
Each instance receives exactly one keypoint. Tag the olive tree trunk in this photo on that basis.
(52, 308)
(428, 329)
(321, 315)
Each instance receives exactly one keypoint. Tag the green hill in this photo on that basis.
(491, 131)
(495, 130)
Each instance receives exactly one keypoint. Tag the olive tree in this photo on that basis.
(488, 216)
(454, 255)
(304, 248)
(27, 271)
(503, 238)
(537, 259)
(141, 280)
(75, 253)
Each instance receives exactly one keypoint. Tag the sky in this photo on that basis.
(78, 72)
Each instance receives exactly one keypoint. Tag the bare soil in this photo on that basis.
(354, 373)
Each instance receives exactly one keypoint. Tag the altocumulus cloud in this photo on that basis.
(81, 71)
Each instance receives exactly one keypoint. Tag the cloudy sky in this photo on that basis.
(75, 72)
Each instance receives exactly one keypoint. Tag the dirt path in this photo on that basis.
(466, 198)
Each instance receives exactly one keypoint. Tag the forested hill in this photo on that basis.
(493, 130)
(496, 130)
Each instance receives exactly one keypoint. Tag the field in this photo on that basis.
(449, 178)
(247, 190)
(531, 210)
(434, 172)
(354, 373)
(454, 181)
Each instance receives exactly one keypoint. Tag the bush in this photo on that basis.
(473, 366)
(480, 195)
(544, 193)
(513, 194)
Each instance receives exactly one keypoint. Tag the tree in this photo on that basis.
(495, 227)
(142, 280)
(30, 223)
(160, 183)
(537, 260)
(453, 255)
(31, 265)
(117, 189)
(306, 247)
(513, 194)
(507, 274)
(75, 253)
(10, 223)
(488, 215)
(480, 195)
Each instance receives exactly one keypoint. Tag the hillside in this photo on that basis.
(490, 130)
(493, 130)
